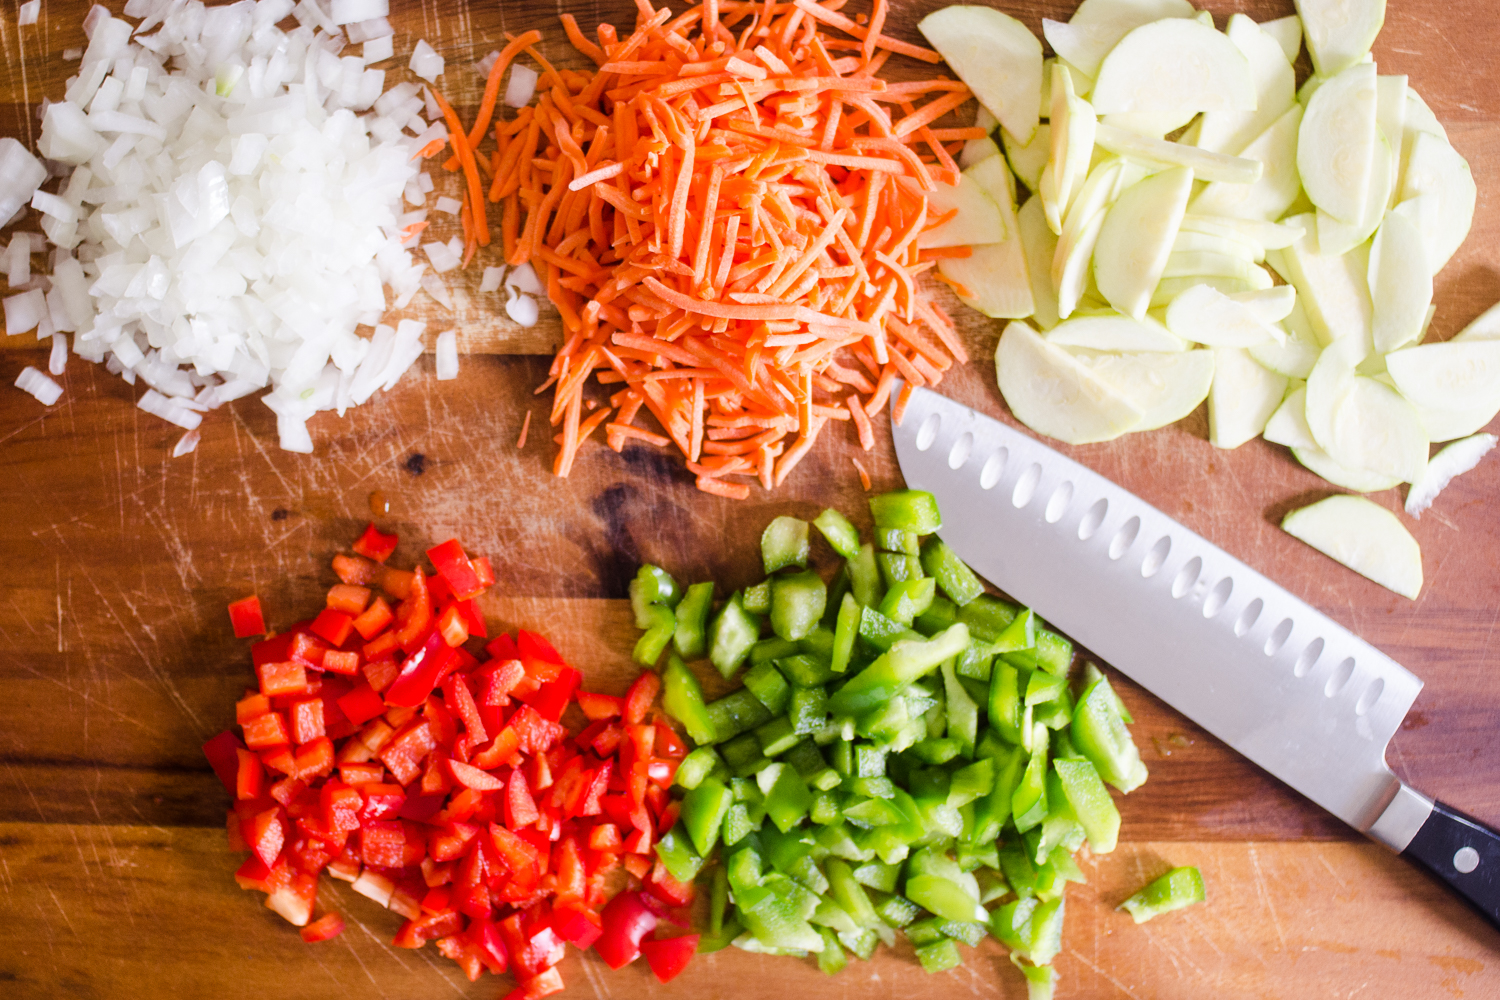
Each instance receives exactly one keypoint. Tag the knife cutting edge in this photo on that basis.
(1259, 668)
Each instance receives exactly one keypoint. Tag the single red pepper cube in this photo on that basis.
(374, 619)
(668, 743)
(374, 545)
(282, 678)
(452, 626)
(279, 759)
(599, 706)
(307, 720)
(341, 807)
(307, 648)
(483, 570)
(222, 755)
(471, 615)
(382, 647)
(640, 696)
(250, 776)
(266, 834)
(361, 705)
(503, 647)
(250, 706)
(348, 598)
(246, 618)
(454, 566)
(381, 802)
(275, 648)
(667, 957)
(315, 759)
(332, 625)
(329, 925)
(266, 731)
(356, 569)
(382, 843)
(343, 663)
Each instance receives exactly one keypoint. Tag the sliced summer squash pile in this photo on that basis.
(907, 752)
(1199, 227)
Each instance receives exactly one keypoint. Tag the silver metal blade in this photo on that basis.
(1261, 669)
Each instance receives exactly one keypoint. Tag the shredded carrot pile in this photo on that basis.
(725, 214)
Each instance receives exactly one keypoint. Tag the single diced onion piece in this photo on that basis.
(186, 444)
(523, 309)
(57, 360)
(1165, 387)
(43, 388)
(490, 282)
(24, 310)
(1174, 65)
(373, 885)
(997, 56)
(1454, 460)
(426, 63)
(1363, 536)
(169, 409)
(20, 176)
(351, 11)
(521, 87)
(449, 205)
(447, 355)
(433, 285)
(1137, 238)
(1336, 143)
(1050, 392)
(1243, 397)
(378, 49)
(524, 279)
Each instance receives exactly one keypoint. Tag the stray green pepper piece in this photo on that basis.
(652, 585)
(952, 574)
(690, 639)
(784, 543)
(907, 510)
(1040, 979)
(662, 627)
(682, 697)
(797, 602)
(839, 532)
(787, 796)
(1177, 888)
(732, 634)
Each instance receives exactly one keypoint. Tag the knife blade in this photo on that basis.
(1265, 672)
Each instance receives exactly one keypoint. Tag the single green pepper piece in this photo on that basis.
(653, 643)
(733, 632)
(936, 883)
(1011, 923)
(691, 638)
(909, 510)
(963, 714)
(972, 857)
(1042, 687)
(703, 812)
(1061, 827)
(940, 956)
(718, 899)
(772, 649)
(831, 959)
(652, 585)
(993, 810)
(897, 911)
(881, 632)
(834, 838)
(907, 599)
(808, 709)
(895, 540)
(869, 761)
(743, 756)
(757, 599)
(737, 712)
(844, 633)
(975, 661)
(924, 931)
(776, 737)
(955, 578)
(784, 543)
(878, 875)
(1019, 871)
(1099, 733)
(1046, 931)
(864, 577)
(987, 617)
(676, 852)
(972, 782)
(772, 918)
(1177, 888)
(1005, 702)
(1091, 803)
(1053, 653)
(848, 893)
(1040, 979)
(783, 850)
(938, 616)
(862, 943)
(904, 662)
(745, 867)
(970, 932)
(682, 697)
(992, 885)
(806, 670)
(787, 796)
(797, 602)
(696, 766)
(839, 532)
(935, 751)
(1029, 805)
(765, 682)
(838, 589)
(825, 809)
(896, 568)
(1019, 634)
(1091, 674)
(737, 825)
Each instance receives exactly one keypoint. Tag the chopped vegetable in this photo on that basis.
(245, 617)
(1177, 888)
(381, 748)
(895, 760)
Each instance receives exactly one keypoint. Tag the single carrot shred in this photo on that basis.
(864, 477)
(725, 213)
(525, 426)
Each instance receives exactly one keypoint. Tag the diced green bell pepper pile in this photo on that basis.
(908, 753)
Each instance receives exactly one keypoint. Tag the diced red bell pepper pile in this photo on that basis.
(444, 786)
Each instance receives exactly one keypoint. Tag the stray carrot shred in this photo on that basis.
(864, 477)
(726, 217)
(525, 426)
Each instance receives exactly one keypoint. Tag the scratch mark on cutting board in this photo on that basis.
(441, 970)
(60, 909)
(1105, 975)
(362, 967)
(1265, 896)
(595, 980)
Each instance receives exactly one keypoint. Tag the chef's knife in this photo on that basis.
(1267, 673)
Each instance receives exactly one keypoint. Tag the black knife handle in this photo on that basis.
(1464, 853)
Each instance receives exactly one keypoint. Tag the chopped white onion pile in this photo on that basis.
(226, 223)
(447, 355)
(522, 86)
(29, 12)
(39, 385)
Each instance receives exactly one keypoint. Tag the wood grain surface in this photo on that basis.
(116, 660)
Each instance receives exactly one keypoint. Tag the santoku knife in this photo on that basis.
(1261, 669)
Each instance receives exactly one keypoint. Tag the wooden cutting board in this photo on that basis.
(117, 660)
